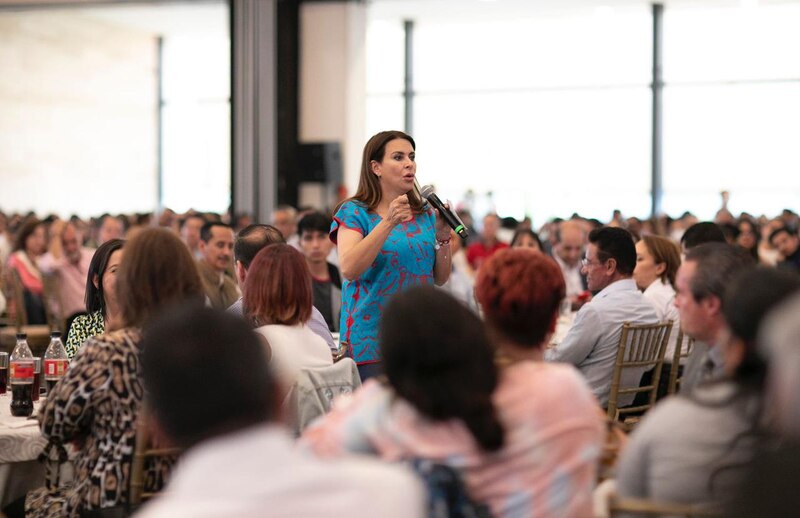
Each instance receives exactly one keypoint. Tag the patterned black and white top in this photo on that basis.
(96, 403)
(83, 328)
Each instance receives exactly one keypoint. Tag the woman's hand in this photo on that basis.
(399, 210)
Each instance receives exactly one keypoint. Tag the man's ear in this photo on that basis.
(712, 305)
(241, 272)
(611, 266)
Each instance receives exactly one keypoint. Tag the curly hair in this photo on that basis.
(520, 291)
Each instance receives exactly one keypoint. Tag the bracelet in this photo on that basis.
(440, 244)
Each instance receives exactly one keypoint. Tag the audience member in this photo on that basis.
(284, 218)
(278, 300)
(29, 246)
(326, 282)
(505, 432)
(700, 286)
(96, 403)
(249, 242)
(657, 263)
(101, 300)
(239, 460)
(786, 241)
(70, 266)
(570, 242)
(699, 233)
(593, 340)
(749, 237)
(190, 233)
(526, 238)
(108, 228)
(692, 449)
(216, 245)
(488, 244)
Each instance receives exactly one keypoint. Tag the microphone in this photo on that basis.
(449, 216)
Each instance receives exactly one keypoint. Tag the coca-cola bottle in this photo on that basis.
(55, 361)
(21, 377)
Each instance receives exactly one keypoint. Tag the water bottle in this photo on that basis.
(55, 361)
(21, 377)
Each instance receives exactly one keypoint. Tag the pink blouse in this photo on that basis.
(546, 467)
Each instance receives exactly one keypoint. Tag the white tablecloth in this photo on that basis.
(20, 439)
(20, 445)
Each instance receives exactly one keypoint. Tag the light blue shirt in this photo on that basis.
(316, 323)
(593, 340)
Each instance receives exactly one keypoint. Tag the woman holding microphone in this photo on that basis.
(387, 242)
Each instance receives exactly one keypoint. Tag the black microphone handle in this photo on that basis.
(448, 216)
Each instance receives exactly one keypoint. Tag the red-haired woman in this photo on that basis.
(278, 299)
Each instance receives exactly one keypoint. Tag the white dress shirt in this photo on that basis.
(257, 473)
(662, 295)
(572, 276)
(593, 340)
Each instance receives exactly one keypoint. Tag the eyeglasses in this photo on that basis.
(586, 262)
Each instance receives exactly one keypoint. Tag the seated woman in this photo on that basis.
(96, 403)
(101, 296)
(278, 299)
(692, 449)
(527, 238)
(29, 246)
(657, 263)
(520, 448)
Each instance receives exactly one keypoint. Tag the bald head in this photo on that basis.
(571, 240)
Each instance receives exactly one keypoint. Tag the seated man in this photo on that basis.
(326, 282)
(239, 460)
(593, 340)
(216, 245)
(190, 233)
(71, 269)
(567, 251)
(701, 284)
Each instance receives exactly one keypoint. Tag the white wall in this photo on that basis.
(333, 79)
(78, 115)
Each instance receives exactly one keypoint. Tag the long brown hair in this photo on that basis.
(157, 271)
(369, 187)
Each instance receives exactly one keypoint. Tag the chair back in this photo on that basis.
(638, 507)
(641, 348)
(315, 389)
(145, 450)
(681, 352)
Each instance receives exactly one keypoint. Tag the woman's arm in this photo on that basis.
(358, 252)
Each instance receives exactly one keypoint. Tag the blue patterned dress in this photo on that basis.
(405, 260)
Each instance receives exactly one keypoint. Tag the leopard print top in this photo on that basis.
(96, 402)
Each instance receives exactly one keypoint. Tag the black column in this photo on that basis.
(288, 67)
